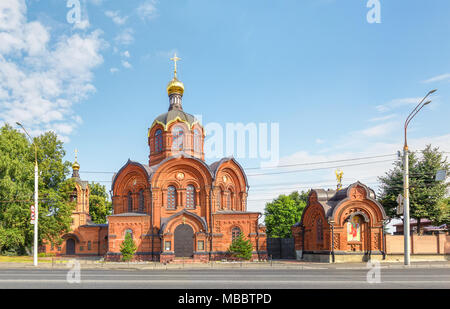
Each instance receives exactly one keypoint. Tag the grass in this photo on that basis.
(27, 259)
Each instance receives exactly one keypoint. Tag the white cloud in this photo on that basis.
(383, 118)
(379, 130)
(147, 10)
(437, 78)
(397, 103)
(82, 25)
(126, 54)
(116, 18)
(125, 37)
(319, 141)
(114, 70)
(126, 64)
(41, 78)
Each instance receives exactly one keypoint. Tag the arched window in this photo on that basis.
(177, 138)
(158, 141)
(219, 199)
(197, 141)
(141, 200)
(128, 231)
(73, 196)
(229, 202)
(171, 197)
(130, 202)
(235, 232)
(319, 230)
(190, 196)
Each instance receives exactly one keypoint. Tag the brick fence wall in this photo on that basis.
(425, 244)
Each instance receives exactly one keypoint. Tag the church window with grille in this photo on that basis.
(130, 202)
(319, 230)
(235, 232)
(171, 197)
(219, 200)
(190, 196)
(197, 141)
(229, 202)
(177, 138)
(141, 200)
(158, 141)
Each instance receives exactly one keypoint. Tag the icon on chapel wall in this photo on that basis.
(354, 229)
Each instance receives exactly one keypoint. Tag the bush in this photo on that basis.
(241, 248)
(43, 254)
(128, 248)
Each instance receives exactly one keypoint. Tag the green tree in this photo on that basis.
(241, 248)
(17, 156)
(427, 196)
(283, 212)
(128, 248)
(99, 205)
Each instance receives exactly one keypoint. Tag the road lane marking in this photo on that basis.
(223, 281)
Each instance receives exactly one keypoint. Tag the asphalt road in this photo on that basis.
(430, 278)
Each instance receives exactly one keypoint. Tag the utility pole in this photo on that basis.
(36, 206)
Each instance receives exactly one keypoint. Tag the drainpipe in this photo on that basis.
(332, 240)
(369, 241)
(257, 236)
(383, 241)
(98, 243)
(210, 223)
(151, 221)
(303, 241)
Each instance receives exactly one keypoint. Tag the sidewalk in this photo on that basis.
(278, 264)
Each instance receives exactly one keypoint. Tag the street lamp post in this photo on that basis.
(406, 223)
(36, 206)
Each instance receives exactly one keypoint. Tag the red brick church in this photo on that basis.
(176, 205)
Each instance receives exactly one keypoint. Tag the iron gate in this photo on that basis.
(281, 248)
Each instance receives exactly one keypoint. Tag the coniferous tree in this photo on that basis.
(128, 248)
(241, 248)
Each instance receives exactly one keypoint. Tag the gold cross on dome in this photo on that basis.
(175, 59)
(76, 154)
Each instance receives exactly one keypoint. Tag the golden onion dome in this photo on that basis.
(75, 165)
(175, 86)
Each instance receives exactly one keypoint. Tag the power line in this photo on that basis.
(320, 168)
(324, 162)
(282, 166)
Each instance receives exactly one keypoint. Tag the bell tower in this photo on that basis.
(80, 215)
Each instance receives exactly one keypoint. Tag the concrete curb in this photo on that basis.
(274, 266)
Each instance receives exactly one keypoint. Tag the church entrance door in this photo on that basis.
(70, 246)
(184, 241)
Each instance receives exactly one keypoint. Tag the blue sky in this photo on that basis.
(339, 86)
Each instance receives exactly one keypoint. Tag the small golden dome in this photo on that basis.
(75, 165)
(175, 86)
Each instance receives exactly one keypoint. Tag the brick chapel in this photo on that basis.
(176, 206)
(343, 225)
